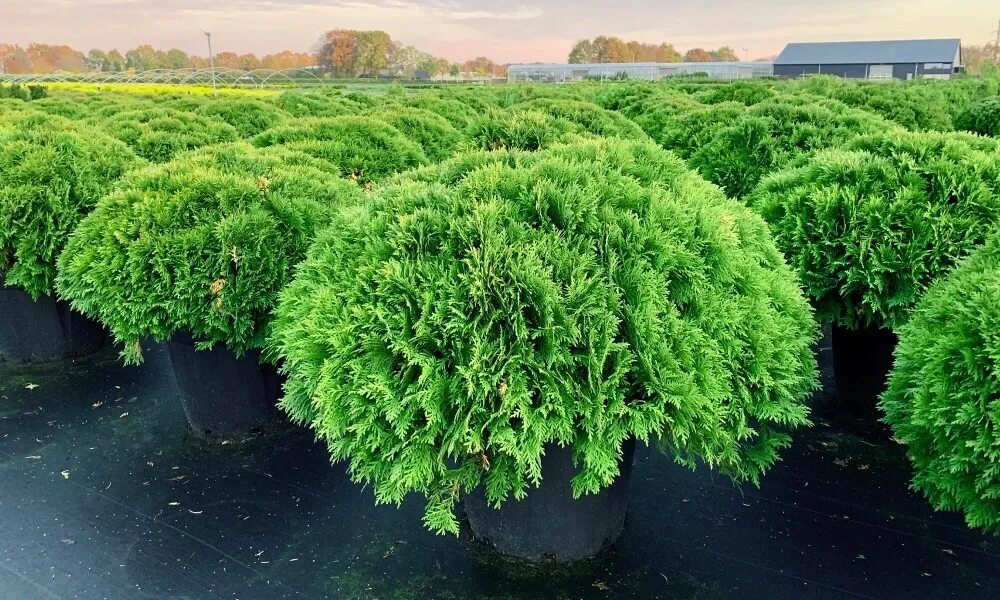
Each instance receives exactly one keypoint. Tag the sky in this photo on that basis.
(520, 31)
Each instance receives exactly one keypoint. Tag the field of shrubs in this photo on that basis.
(463, 290)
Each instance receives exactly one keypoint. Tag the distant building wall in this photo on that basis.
(902, 71)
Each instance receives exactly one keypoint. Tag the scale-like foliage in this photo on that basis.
(361, 148)
(981, 117)
(52, 173)
(434, 133)
(248, 116)
(869, 227)
(444, 335)
(512, 129)
(201, 244)
(592, 118)
(159, 134)
(943, 399)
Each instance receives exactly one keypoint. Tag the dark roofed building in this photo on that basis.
(899, 59)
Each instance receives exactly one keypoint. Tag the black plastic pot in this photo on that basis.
(862, 359)
(549, 525)
(224, 395)
(43, 330)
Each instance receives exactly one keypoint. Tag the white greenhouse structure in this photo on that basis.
(557, 72)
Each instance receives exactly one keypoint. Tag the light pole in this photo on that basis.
(211, 59)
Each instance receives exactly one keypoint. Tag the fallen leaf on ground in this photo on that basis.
(65, 474)
(31, 386)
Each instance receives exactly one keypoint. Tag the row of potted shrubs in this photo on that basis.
(535, 303)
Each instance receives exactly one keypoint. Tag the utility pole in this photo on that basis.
(211, 60)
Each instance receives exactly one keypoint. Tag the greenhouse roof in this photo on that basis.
(877, 52)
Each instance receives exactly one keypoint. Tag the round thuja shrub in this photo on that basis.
(159, 134)
(442, 336)
(52, 173)
(201, 245)
(517, 130)
(457, 113)
(739, 156)
(248, 117)
(980, 117)
(592, 118)
(869, 227)
(943, 400)
(364, 149)
(434, 133)
(304, 104)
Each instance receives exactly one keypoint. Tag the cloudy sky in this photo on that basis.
(515, 31)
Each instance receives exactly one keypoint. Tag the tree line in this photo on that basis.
(353, 53)
(341, 52)
(611, 49)
(48, 58)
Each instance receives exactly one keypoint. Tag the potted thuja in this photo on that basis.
(193, 252)
(869, 227)
(52, 173)
(505, 332)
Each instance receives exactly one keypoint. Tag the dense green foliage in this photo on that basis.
(869, 227)
(249, 117)
(442, 336)
(361, 148)
(592, 118)
(517, 130)
(52, 173)
(203, 244)
(159, 134)
(20, 92)
(981, 117)
(943, 400)
(436, 136)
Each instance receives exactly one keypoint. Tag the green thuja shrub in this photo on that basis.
(869, 227)
(739, 156)
(52, 172)
(517, 130)
(592, 118)
(981, 117)
(305, 104)
(159, 134)
(441, 337)
(249, 117)
(943, 399)
(457, 113)
(744, 92)
(201, 244)
(434, 133)
(361, 148)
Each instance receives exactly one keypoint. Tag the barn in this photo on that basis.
(880, 60)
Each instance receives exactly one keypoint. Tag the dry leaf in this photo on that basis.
(65, 474)
(31, 386)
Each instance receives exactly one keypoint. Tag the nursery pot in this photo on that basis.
(223, 395)
(549, 524)
(43, 330)
(862, 359)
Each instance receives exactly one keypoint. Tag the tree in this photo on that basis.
(667, 53)
(338, 52)
(143, 58)
(227, 60)
(455, 70)
(97, 60)
(978, 57)
(725, 54)
(116, 62)
(697, 55)
(373, 51)
(583, 51)
(177, 59)
(248, 62)
(14, 59)
(47, 58)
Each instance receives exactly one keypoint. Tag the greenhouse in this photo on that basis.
(644, 71)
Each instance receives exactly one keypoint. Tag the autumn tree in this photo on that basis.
(697, 55)
(97, 60)
(725, 54)
(14, 59)
(338, 52)
(46, 58)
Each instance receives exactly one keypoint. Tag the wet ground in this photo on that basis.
(104, 495)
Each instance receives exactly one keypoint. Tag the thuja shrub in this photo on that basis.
(739, 156)
(869, 227)
(943, 399)
(52, 172)
(249, 117)
(981, 117)
(744, 92)
(304, 104)
(201, 244)
(514, 129)
(592, 118)
(363, 149)
(436, 136)
(457, 113)
(159, 134)
(441, 337)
